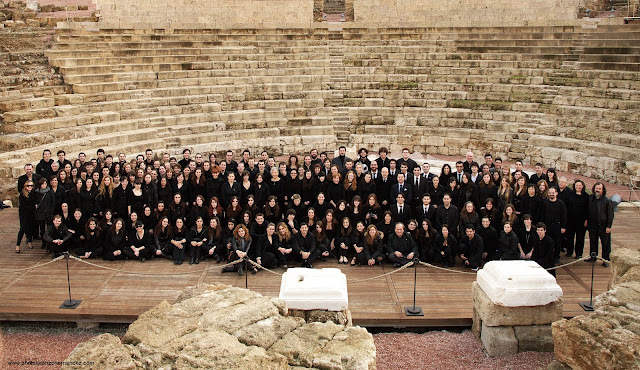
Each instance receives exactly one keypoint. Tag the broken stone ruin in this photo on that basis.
(223, 327)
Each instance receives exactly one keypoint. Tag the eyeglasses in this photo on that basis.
(138, 227)
(29, 186)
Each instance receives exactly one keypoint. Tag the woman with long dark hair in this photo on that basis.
(179, 241)
(92, 246)
(116, 241)
(198, 236)
(162, 237)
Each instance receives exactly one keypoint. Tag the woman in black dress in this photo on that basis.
(179, 241)
(345, 241)
(162, 237)
(136, 198)
(198, 236)
(92, 246)
(26, 214)
(140, 244)
(115, 242)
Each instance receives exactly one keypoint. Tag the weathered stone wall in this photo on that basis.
(299, 13)
(609, 338)
(205, 14)
(464, 13)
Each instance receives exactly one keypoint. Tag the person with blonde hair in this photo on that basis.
(26, 214)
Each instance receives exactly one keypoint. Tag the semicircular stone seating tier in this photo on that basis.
(564, 96)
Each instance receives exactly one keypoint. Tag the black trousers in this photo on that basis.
(555, 234)
(435, 256)
(107, 254)
(178, 253)
(605, 240)
(575, 237)
(26, 229)
(145, 253)
(95, 254)
(399, 260)
(312, 257)
(217, 251)
(58, 249)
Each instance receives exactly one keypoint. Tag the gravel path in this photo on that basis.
(432, 350)
(43, 342)
(447, 350)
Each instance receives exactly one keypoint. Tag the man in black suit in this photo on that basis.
(400, 212)
(393, 170)
(447, 214)
(29, 175)
(401, 246)
(425, 210)
(426, 174)
(375, 172)
(419, 185)
(341, 158)
(411, 164)
(402, 188)
(383, 188)
(383, 160)
(458, 174)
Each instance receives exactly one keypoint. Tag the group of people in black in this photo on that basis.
(357, 211)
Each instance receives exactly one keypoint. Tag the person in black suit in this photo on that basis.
(426, 174)
(400, 212)
(401, 247)
(384, 183)
(383, 160)
(425, 211)
(402, 187)
(447, 214)
(29, 175)
(341, 159)
(419, 185)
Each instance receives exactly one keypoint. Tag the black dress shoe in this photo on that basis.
(218, 259)
(175, 263)
(142, 259)
(196, 261)
(240, 271)
(180, 262)
(605, 264)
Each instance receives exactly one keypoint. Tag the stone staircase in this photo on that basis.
(564, 96)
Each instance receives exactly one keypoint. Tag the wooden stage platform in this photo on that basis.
(110, 296)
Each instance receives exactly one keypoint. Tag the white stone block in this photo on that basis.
(315, 289)
(518, 283)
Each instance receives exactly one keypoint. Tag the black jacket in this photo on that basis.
(600, 212)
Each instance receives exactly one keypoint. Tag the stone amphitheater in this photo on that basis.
(532, 81)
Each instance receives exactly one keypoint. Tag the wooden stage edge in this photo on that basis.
(117, 297)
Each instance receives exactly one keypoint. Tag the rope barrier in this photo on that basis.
(34, 266)
(383, 275)
(259, 266)
(152, 274)
(446, 269)
(587, 258)
(602, 259)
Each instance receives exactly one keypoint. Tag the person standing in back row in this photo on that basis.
(599, 221)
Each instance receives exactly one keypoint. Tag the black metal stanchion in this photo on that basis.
(69, 303)
(588, 306)
(414, 310)
(246, 274)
